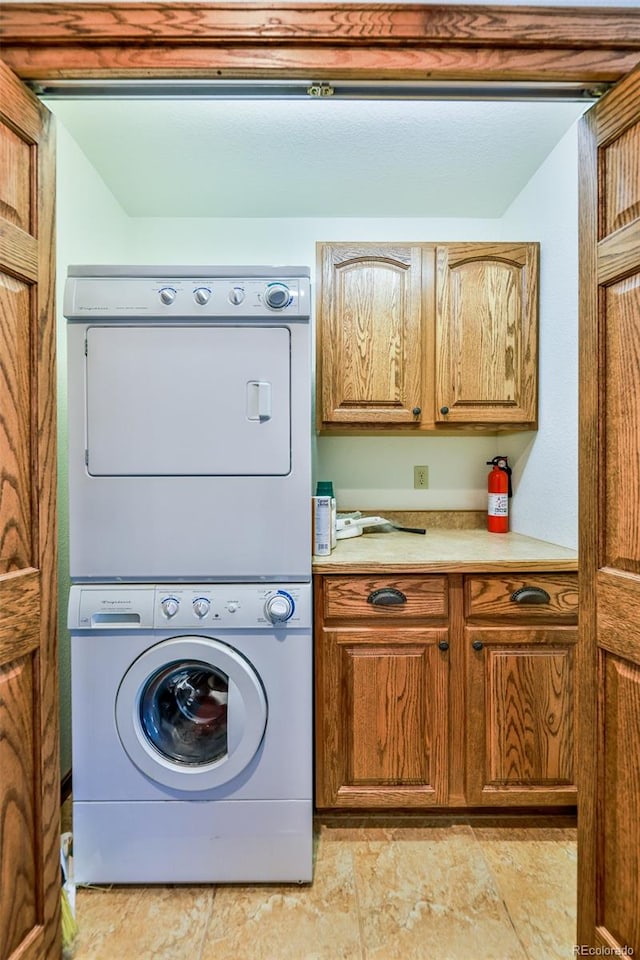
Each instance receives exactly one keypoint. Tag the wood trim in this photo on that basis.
(352, 40)
(323, 23)
(618, 253)
(20, 249)
(588, 533)
(45, 469)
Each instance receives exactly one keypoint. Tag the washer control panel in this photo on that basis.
(190, 606)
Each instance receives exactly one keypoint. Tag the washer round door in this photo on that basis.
(191, 713)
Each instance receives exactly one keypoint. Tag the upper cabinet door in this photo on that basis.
(487, 333)
(369, 333)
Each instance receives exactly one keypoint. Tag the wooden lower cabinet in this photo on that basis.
(520, 741)
(435, 691)
(381, 731)
(520, 639)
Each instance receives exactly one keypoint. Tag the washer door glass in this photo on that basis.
(183, 711)
(191, 713)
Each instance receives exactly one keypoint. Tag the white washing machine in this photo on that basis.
(192, 732)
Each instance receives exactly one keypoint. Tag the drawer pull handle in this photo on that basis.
(443, 645)
(386, 597)
(477, 644)
(530, 595)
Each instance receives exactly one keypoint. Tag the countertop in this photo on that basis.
(443, 550)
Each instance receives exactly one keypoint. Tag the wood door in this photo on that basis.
(609, 661)
(29, 767)
(369, 349)
(381, 718)
(487, 333)
(520, 716)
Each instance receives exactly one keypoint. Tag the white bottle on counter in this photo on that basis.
(321, 526)
(324, 488)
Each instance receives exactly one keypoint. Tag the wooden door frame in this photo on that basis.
(330, 41)
(319, 40)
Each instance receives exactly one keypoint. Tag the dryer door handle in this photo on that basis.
(258, 400)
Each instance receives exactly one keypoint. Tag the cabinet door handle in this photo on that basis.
(530, 595)
(386, 596)
(444, 411)
(417, 411)
(443, 645)
(477, 644)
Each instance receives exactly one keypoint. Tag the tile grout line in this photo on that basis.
(363, 951)
(498, 889)
(208, 923)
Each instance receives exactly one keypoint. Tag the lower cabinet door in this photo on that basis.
(520, 716)
(381, 717)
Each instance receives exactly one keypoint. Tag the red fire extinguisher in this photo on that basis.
(499, 487)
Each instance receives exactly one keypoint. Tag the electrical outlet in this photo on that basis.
(420, 478)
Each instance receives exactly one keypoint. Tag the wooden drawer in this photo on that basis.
(523, 597)
(367, 598)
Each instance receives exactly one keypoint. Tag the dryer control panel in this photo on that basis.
(190, 606)
(189, 293)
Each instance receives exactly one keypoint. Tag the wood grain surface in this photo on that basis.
(347, 597)
(609, 648)
(29, 765)
(422, 41)
(487, 333)
(521, 716)
(491, 598)
(369, 330)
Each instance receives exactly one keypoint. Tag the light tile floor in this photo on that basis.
(380, 892)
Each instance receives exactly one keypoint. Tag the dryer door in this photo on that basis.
(188, 401)
(191, 713)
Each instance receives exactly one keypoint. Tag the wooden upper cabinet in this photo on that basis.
(487, 333)
(369, 357)
(425, 337)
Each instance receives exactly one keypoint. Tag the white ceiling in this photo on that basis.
(279, 158)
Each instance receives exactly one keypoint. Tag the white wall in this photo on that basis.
(545, 464)
(91, 228)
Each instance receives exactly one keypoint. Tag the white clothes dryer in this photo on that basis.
(189, 423)
(192, 732)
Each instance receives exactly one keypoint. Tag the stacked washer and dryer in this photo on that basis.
(190, 551)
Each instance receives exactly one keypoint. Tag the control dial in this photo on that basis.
(236, 295)
(167, 295)
(277, 296)
(201, 607)
(201, 294)
(279, 607)
(169, 606)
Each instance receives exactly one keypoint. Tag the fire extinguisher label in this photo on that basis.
(498, 505)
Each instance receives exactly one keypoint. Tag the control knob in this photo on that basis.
(169, 606)
(201, 606)
(279, 607)
(277, 296)
(201, 295)
(236, 295)
(168, 295)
